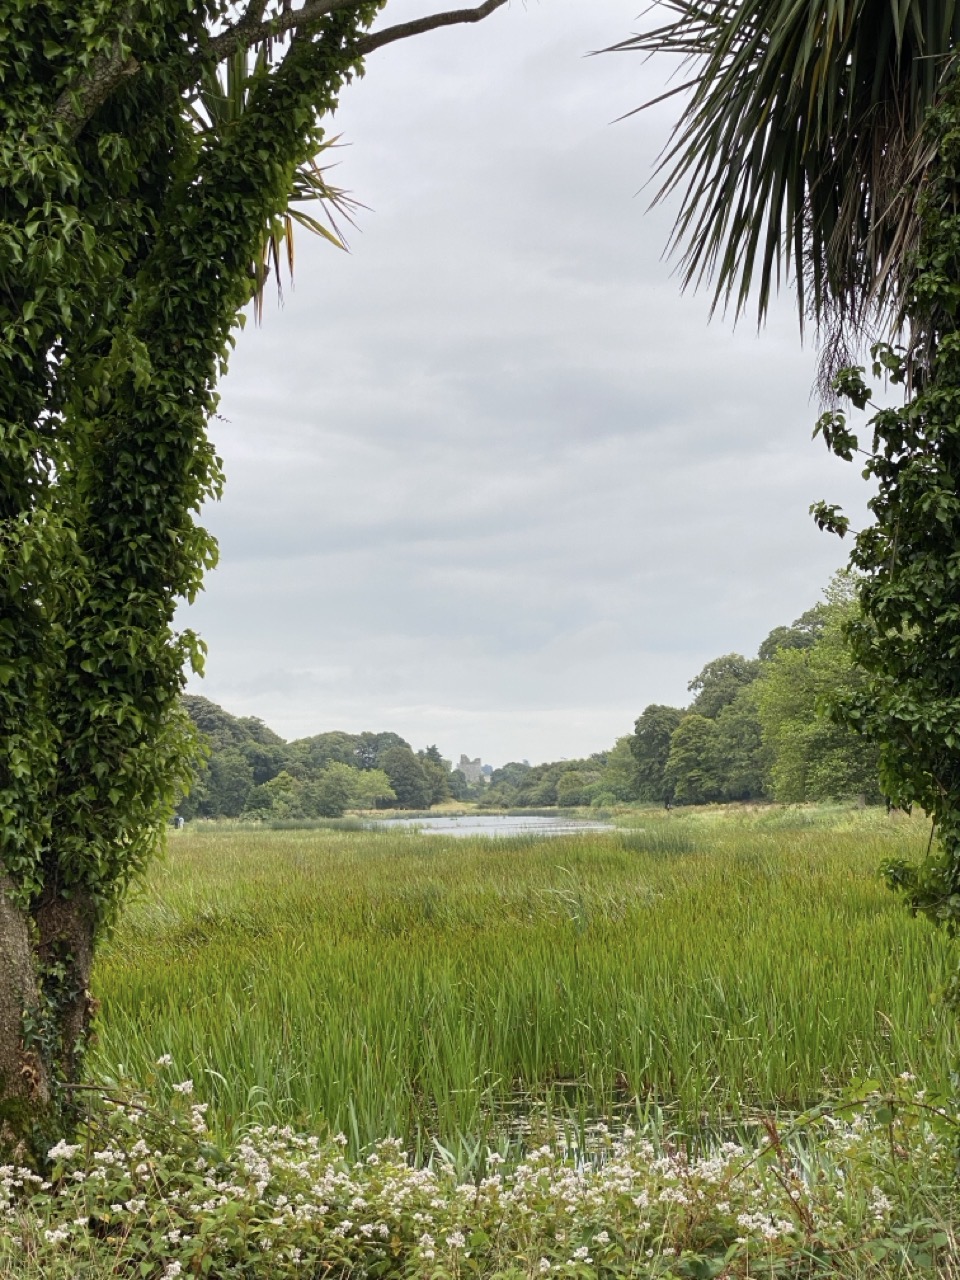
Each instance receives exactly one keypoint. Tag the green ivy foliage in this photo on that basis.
(127, 232)
(908, 638)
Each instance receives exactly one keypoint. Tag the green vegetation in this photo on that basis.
(251, 773)
(693, 974)
(907, 638)
(130, 225)
(610, 1037)
(149, 156)
(756, 729)
(820, 144)
(391, 983)
(147, 1190)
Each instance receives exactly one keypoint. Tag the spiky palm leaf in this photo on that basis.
(800, 149)
(223, 97)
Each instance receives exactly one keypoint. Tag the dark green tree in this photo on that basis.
(412, 786)
(133, 223)
(222, 789)
(240, 752)
(803, 634)
(370, 748)
(459, 786)
(720, 681)
(620, 779)
(741, 759)
(571, 788)
(907, 637)
(314, 754)
(813, 756)
(333, 791)
(511, 774)
(689, 775)
(437, 772)
(650, 745)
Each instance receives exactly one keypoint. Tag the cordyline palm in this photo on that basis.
(221, 99)
(801, 148)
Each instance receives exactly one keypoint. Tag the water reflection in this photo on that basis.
(497, 824)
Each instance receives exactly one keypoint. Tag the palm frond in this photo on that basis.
(222, 98)
(800, 149)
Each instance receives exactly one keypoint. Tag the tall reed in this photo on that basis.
(392, 982)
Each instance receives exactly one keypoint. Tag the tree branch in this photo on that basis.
(451, 18)
(246, 32)
(76, 105)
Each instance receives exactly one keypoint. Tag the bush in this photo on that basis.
(146, 1190)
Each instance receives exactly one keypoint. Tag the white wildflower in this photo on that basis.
(62, 1151)
(880, 1205)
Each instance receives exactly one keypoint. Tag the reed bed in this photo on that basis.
(446, 990)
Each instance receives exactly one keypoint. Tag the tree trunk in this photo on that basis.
(24, 1074)
(65, 934)
(45, 1013)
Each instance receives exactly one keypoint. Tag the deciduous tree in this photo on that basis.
(814, 757)
(689, 774)
(133, 222)
(650, 744)
(720, 681)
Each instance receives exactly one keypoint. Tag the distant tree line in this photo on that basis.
(251, 772)
(754, 730)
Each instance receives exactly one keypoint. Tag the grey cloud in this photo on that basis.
(492, 480)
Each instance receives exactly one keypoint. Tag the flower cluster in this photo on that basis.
(148, 1185)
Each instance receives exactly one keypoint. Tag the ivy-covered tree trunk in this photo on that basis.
(23, 1073)
(127, 234)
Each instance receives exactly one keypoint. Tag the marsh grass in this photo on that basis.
(443, 990)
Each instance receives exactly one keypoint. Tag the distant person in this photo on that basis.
(178, 823)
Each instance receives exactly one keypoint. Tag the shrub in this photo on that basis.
(146, 1190)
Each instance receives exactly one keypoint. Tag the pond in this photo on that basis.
(497, 824)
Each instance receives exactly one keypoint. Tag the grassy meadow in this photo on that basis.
(386, 982)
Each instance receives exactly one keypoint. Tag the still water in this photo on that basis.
(497, 824)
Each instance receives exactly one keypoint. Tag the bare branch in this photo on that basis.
(76, 105)
(247, 33)
(252, 16)
(404, 30)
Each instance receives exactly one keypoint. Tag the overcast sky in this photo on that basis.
(492, 481)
